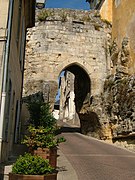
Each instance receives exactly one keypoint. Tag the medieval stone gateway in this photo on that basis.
(79, 43)
(68, 40)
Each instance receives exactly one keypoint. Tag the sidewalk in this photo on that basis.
(65, 169)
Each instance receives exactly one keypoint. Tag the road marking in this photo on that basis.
(100, 155)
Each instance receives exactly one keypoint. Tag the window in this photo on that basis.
(8, 109)
(17, 123)
(22, 45)
(18, 21)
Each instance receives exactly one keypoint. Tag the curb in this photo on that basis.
(65, 169)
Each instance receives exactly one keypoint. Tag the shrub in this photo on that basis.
(40, 114)
(31, 165)
(43, 128)
(63, 16)
(44, 14)
(42, 137)
(86, 18)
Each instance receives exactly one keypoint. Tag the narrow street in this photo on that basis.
(96, 160)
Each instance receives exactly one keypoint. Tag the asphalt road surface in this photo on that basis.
(96, 160)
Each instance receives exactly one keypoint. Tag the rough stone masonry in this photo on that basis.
(63, 38)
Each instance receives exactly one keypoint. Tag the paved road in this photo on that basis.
(96, 160)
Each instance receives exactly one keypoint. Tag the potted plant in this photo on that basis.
(40, 114)
(29, 167)
(41, 139)
(43, 142)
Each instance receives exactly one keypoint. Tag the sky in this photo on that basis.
(58, 93)
(72, 4)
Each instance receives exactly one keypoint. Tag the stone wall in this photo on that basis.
(119, 97)
(60, 39)
(67, 39)
(111, 116)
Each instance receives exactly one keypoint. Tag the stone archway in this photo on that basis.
(77, 44)
(82, 86)
(75, 89)
(77, 80)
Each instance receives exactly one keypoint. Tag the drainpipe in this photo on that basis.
(5, 71)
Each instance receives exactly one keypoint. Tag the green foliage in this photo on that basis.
(46, 117)
(42, 137)
(44, 14)
(43, 128)
(34, 110)
(97, 14)
(74, 16)
(107, 22)
(86, 18)
(40, 114)
(31, 165)
(63, 16)
(97, 26)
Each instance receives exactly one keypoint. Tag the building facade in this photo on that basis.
(16, 17)
(121, 93)
(101, 60)
(104, 6)
(123, 26)
(67, 100)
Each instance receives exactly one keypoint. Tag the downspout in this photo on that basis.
(5, 71)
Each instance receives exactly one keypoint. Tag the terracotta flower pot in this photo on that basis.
(32, 177)
(46, 153)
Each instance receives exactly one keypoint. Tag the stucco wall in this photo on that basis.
(106, 10)
(124, 26)
(14, 73)
(14, 52)
(3, 25)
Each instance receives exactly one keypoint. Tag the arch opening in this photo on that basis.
(82, 86)
(74, 93)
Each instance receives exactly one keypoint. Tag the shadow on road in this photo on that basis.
(70, 129)
(67, 128)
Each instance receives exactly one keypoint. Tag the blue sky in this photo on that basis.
(72, 4)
